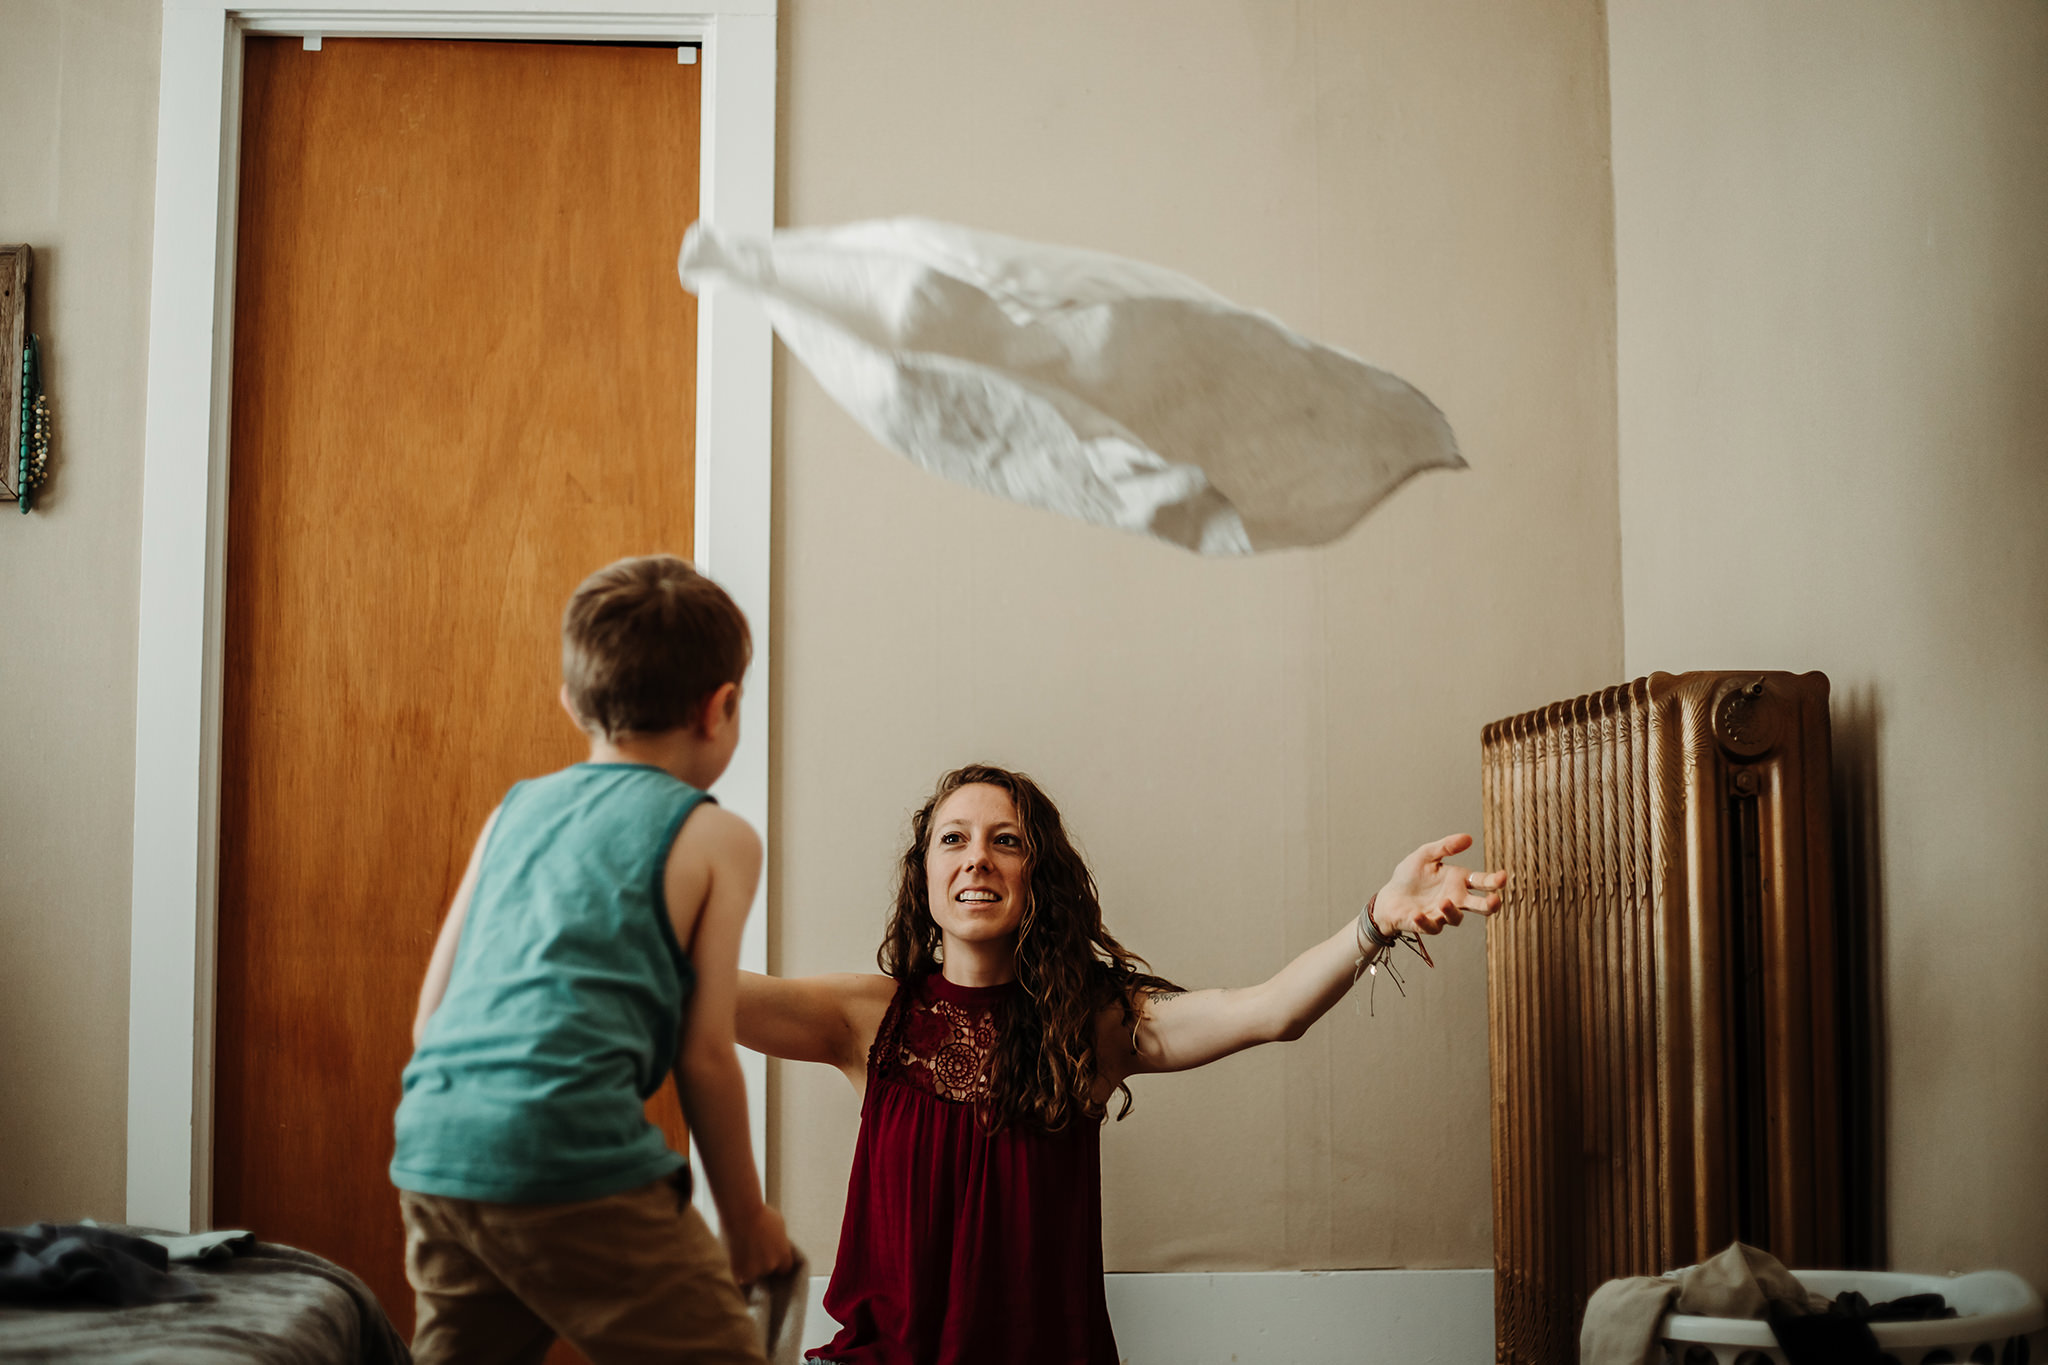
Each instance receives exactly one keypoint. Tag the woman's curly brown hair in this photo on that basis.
(1069, 968)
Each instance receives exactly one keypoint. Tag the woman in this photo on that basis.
(986, 1056)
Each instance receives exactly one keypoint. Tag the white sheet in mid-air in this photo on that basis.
(1092, 385)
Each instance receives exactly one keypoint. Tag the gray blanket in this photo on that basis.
(271, 1303)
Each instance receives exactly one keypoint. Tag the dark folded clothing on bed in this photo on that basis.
(58, 1262)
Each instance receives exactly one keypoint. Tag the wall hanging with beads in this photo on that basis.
(24, 409)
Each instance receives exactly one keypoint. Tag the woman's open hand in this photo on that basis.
(1427, 894)
(1167, 1030)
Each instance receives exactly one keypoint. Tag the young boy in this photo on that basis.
(592, 947)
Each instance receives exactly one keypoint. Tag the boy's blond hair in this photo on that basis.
(646, 642)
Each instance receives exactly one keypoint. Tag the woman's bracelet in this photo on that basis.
(1374, 946)
(1370, 927)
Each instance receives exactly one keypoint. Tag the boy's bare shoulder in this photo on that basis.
(717, 835)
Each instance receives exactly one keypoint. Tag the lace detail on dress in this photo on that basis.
(943, 1048)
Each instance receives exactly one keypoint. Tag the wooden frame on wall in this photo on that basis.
(185, 466)
(16, 262)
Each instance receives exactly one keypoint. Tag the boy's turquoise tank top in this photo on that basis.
(564, 1009)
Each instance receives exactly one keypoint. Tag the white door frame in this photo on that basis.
(184, 505)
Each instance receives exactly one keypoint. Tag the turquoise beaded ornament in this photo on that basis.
(32, 462)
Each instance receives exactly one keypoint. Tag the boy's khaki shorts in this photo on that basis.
(629, 1278)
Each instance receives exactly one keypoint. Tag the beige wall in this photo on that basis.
(1832, 245)
(1244, 748)
(78, 106)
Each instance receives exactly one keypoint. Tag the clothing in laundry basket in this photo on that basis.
(1095, 386)
(1620, 1326)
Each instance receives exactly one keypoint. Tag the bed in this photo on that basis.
(263, 1302)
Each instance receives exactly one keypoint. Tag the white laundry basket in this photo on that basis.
(1998, 1322)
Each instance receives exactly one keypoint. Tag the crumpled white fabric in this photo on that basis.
(776, 1304)
(1098, 387)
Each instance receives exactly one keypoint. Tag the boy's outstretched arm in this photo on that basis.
(1176, 1032)
(711, 876)
(443, 960)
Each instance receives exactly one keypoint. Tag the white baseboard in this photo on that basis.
(1330, 1317)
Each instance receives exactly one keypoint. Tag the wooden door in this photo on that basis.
(463, 379)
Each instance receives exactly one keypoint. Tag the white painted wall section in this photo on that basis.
(1357, 1317)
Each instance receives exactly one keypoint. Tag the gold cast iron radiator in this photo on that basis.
(1660, 990)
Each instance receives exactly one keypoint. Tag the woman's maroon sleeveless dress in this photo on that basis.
(960, 1246)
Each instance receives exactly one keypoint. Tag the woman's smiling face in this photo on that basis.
(976, 873)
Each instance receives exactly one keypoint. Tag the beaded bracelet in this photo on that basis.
(1374, 947)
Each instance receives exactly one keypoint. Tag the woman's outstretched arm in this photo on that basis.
(827, 1019)
(1176, 1032)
